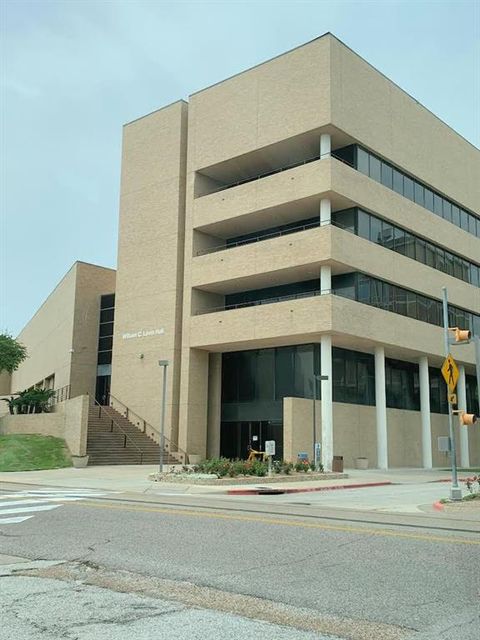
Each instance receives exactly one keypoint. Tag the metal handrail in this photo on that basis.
(169, 445)
(254, 303)
(61, 395)
(259, 238)
(114, 422)
(223, 187)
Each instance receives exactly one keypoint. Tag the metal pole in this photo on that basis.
(164, 365)
(455, 491)
(476, 339)
(314, 417)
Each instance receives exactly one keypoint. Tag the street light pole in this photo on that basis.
(164, 365)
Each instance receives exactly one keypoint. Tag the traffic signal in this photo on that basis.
(461, 335)
(465, 419)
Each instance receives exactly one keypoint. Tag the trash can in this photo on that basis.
(337, 464)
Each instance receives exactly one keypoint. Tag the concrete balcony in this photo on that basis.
(352, 325)
(289, 258)
(298, 256)
(255, 203)
(286, 322)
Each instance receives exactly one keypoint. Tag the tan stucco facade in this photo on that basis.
(150, 265)
(62, 337)
(277, 112)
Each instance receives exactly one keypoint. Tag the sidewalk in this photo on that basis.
(134, 479)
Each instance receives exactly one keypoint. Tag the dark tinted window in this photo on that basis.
(284, 372)
(419, 194)
(387, 175)
(362, 161)
(428, 199)
(106, 329)
(420, 252)
(471, 224)
(375, 230)
(375, 169)
(447, 210)
(398, 181)
(438, 205)
(455, 215)
(104, 357)
(408, 187)
(363, 225)
(104, 344)
(107, 301)
(106, 315)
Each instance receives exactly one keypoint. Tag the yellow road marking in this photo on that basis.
(285, 523)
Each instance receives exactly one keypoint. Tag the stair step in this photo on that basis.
(105, 445)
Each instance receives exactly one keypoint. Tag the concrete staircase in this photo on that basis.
(113, 439)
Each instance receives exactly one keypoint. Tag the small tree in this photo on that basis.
(12, 353)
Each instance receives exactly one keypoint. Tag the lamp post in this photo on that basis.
(316, 377)
(164, 364)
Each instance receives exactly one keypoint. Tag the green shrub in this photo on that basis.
(259, 468)
(302, 465)
(218, 466)
(282, 466)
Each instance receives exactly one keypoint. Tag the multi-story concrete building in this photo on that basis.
(296, 220)
(284, 236)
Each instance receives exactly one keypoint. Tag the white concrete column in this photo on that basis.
(325, 145)
(325, 279)
(325, 211)
(327, 401)
(462, 404)
(425, 412)
(381, 408)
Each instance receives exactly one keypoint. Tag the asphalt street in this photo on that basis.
(412, 573)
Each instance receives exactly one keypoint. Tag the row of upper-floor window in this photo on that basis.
(406, 185)
(268, 375)
(382, 232)
(395, 238)
(105, 332)
(361, 288)
(384, 295)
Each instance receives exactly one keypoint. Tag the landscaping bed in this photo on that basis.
(193, 478)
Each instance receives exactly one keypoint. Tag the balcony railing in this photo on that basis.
(260, 237)
(255, 303)
(272, 172)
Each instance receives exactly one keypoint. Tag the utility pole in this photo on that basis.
(455, 490)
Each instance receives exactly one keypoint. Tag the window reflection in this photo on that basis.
(384, 173)
(382, 232)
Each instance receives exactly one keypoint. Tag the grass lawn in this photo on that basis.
(27, 452)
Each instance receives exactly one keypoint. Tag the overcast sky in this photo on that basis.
(74, 72)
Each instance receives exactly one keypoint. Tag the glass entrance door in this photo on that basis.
(236, 437)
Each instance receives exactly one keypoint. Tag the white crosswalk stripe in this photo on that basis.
(33, 501)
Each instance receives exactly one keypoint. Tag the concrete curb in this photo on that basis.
(439, 506)
(257, 490)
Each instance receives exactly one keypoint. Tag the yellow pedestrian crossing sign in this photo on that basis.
(450, 373)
